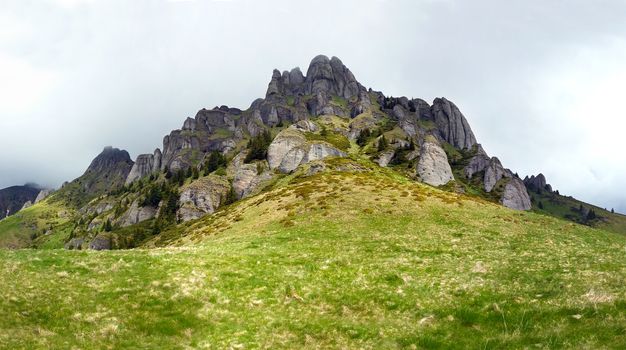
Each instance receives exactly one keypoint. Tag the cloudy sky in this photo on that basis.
(542, 82)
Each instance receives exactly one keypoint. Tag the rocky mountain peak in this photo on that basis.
(537, 183)
(324, 75)
(109, 158)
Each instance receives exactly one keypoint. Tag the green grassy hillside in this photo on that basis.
(364, 259)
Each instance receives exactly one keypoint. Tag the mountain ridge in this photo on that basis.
(227, 154)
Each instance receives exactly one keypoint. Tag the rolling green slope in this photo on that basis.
(569, 208)
(345, 259)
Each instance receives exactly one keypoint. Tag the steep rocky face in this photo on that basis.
(433, 167)
(537, 183)
(13, 198)
(202, 197)
(145, 165)
(452, 125)
(515, 195)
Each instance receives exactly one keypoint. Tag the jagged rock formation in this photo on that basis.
(145, 165)
(452, 124)
(491, 168)
(13, 198)
(433, 167)
(202, 196)
(515, 195)
(314, 117)
(537, 183)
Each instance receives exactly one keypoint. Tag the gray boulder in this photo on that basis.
(203, 196)
(433, 167)
(102, 241)
(385, 157)
(75, 244)
(136, 214)
(515, 195)
(290, 148)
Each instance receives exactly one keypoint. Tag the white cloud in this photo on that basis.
(22, 86)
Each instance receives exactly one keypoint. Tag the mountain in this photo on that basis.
(13, 198)
(225, 154)
(325, 215)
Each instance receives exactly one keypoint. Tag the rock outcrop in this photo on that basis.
(136, 214)
(75, 243)
(452, 125)
(433, 167)
(494, 173)
(385, 157)
(203, 196)
(537, 183)
(103, 241)
(145, 165)
(247, 178)
(491, 167)
(331, 77)
(43, 194)
(515, 195)
(290, 148)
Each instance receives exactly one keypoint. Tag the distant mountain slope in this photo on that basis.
(13, 198)
(548, 201)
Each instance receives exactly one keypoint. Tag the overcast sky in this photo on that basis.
(541, 82)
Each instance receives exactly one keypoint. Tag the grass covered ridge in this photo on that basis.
(341, 260)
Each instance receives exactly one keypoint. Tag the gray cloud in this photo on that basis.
(539, 81)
